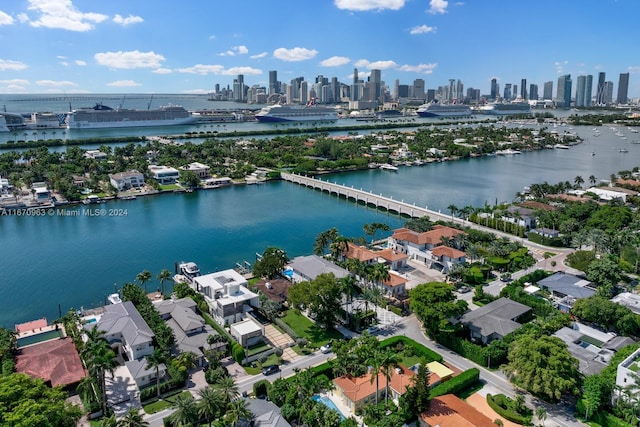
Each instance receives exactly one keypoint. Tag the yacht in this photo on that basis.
(189, 270)
(388, 167)
(114, 298)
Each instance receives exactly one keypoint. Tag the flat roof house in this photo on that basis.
(164, 174)
(227, 295)
(627, 373)
(494, 320)
(201, 170)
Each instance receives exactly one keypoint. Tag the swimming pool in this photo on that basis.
(44, 336)
(328, 403)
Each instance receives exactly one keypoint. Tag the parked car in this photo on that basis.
(326, 348)
(463, 289)
(372, 330)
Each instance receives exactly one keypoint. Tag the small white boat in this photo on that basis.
(389, 167)
(623, 150)
(561, 146)
(114, 299)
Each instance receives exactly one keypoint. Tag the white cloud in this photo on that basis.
(422, 29)
(295, 54)
(236, 50)
(7, 64)
(23, 17)
(15, 82)
(131, 19)
(64, 63)
(5, 19)
(219, 70)
(80, 63)
(123, 83)
(634, 69)
(64, 15)
(362, 5)
(420, 68)
(438, 6)
(377, 65)
(260, 55)
(335, 61)
(130, 59)
(55, 83)
(61, 57)
(162, 71)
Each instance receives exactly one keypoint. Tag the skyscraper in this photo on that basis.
(533, 92)
(523, 89)
(600, 89)
(588, 91)
(563, 96)
(514, 93)
(547, 92)
(494, 89)
(507, 91)
(580, 91)
(608, 93)
(623, 88)
(273, 82)
(238, 88)
(418, 89)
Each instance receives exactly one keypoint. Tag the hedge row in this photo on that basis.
(418, 349)
(237, 352)
(457, 383)
(151, 391)
(325, 368)
(546, 241)
(474, 352)
(498, 403)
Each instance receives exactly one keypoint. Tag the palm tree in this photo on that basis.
(132, 418)
(228, 388)
(592, 180)
(389, 361)
(578, 181)
(101, 360)
(238, 410)
(210, 405)
(453, 209)
(186, 411)
(143, 277)
(154, 360)
(109, 422)
(375, 363)
(339, 247)
(163, 276)
(541, 414)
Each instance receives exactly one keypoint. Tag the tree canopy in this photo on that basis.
(321, 296)
(543, 366)
(434, 304)
(271, 264)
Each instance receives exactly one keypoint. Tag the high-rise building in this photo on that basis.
(563, 96)
(403, 91)
(623, 88)
(375, 83)
(355, 76)
(547, 92)
(533, 92)
(600, 89)
(588, 91)
(494, 89)
(335, 89)
(507, 91)
(523, 89)
(273, 82)
(431, 95)
(608, 93)
(580, 91)
(238, 88)
(514, 92)
(418, 89)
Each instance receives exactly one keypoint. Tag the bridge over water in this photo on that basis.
(368, 198)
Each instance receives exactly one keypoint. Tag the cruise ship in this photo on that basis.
(285, 113)
(506, 109)
(102, 116)
(441, 110)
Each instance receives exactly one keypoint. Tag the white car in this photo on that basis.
(325, 348)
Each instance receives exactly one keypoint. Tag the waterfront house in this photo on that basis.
(143, 374)
(360, 253)
(127, 180)
(395, 285)
(447, 256)
(123, 327)
(562, 284)
(189, 328)
(201, 170)
(419, 246)
(451, 411)
(95, 155)
(227, 295)
(164, 174)
(306, 268)
(276, 290)
(494, 320)
(56, 362)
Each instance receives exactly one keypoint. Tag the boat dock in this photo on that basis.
(367, 198)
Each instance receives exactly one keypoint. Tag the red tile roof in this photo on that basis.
(450, 411)
(395, 280)
(358, 388)
(431, 237)
(391, 255)
(452, 253)
(56, 361)
(30, 326)
(360, 253)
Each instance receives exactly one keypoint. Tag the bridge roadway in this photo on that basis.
(368, 198)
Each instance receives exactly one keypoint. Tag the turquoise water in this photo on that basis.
(44, 336)
(328, 403)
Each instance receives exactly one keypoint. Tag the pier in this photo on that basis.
(367, 198)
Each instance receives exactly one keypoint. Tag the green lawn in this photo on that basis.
(169, 187)
(304, 327)
(409, 361)
(159, 405)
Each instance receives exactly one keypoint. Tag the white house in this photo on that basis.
(200, 169)
(126, 180)
(143, 374)
(227, 294)
(627, 373)
(95, 154)
(122, 325)
(164, 174)
(247, 332)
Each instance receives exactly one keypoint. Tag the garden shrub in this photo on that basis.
(457, 384)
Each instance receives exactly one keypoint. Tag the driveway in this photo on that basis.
(479, 401)
(122, 392)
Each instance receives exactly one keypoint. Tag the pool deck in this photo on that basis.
(346, 412)
(39, 330)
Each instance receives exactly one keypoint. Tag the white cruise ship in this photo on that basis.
(507, 108)
(102, 116)
(443, 110)
(286, 113)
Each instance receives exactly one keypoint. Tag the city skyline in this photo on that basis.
(77, 46)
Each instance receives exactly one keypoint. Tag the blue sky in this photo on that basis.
(161, 46)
